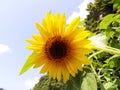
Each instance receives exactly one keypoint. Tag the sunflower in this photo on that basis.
(60, 50)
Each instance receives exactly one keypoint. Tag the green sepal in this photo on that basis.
(27, 64)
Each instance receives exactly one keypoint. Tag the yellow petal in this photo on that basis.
(83, 59)
(80, 67)
(45, 68)
(82, 51)
(42, 31)
(81, 43)
(57, 20)
(34, 42)
(82, 35)
(65, 73)
(62, 24)
(34, 47)
(90, 46)
(39, 61)
(71, 68)
(72, 26)
(72, 35)
(37, 38)
(48, 17)
(59, 71)
(38, 64)
(52, 69)
(47, 25)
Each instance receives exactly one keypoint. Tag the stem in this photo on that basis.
(95, 54)
(114, 56)
(92, 65)
(94, 71)
(109, 50)
(113, 48)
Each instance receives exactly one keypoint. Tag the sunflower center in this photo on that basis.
(58, 49)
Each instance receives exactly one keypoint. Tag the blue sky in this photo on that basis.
(17, 22)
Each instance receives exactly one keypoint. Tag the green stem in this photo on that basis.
(114, 56)
(94, 71)
(113, 48)
(109, 50)
(94, 54)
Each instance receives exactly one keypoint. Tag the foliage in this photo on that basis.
(106, 65)
(116, 4)
(1, 89)
(45, 83)
(97, 10)
(108, 69)
(111, 26)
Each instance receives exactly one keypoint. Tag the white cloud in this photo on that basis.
(82, 11)
(30, 83)
(4, 48)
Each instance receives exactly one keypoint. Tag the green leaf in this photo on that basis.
(27, 64)
(77, 80)
(107, 20)
(116, 4)
(116, 18)
(118, 30)
(84, 80)
(89, 82)
(109, 34)
(112, 64)
(110, 85)
(70, 86)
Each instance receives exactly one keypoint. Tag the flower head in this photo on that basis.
(60, 50)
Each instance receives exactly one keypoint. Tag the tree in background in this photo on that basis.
(46, 83)
(97, 10)
(1, 89)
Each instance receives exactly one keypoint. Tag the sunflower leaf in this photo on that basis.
(27, 64)
(70, 86)
(89, 81)
(84, 80)
(78, 79)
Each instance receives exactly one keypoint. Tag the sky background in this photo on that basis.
(17, 22)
